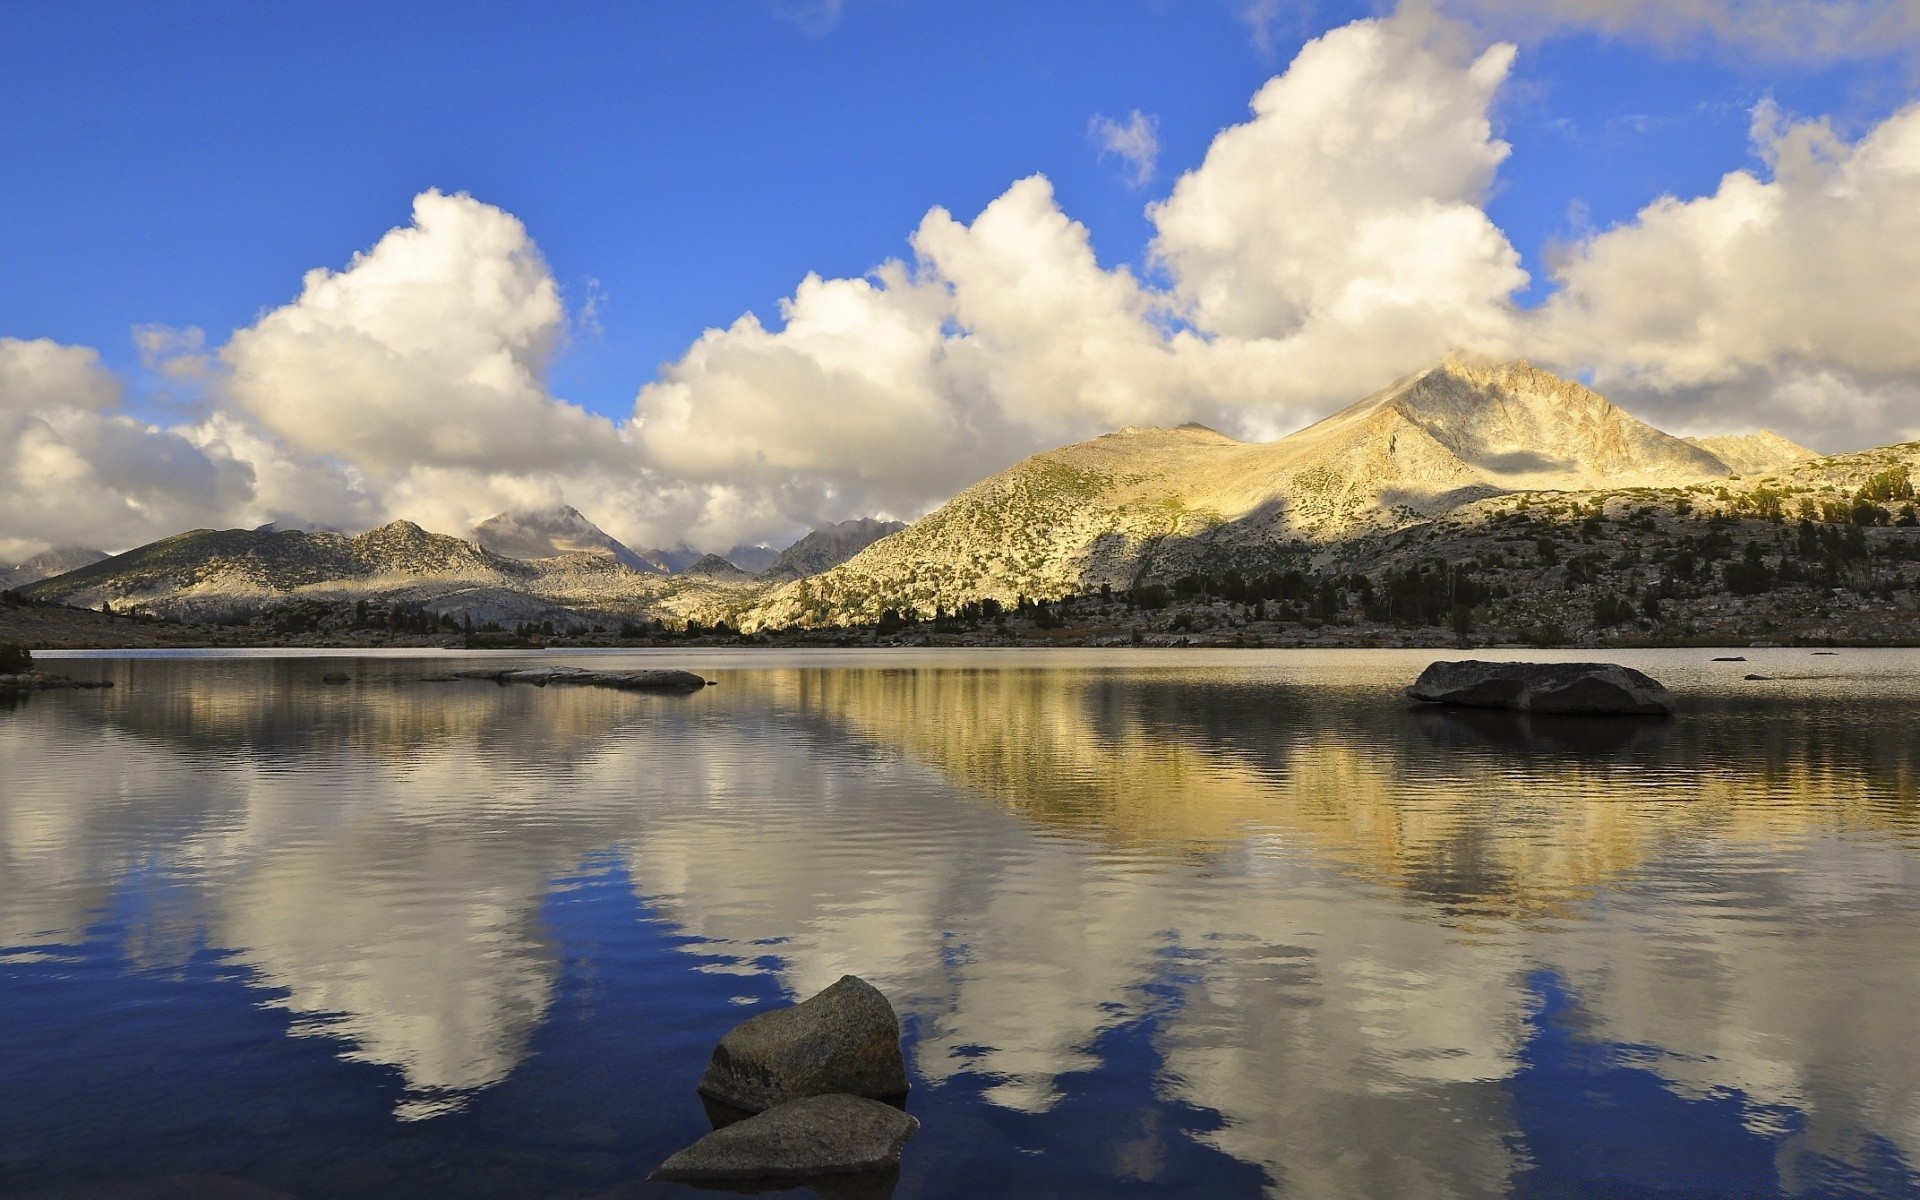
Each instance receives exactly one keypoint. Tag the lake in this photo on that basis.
(1157, 923)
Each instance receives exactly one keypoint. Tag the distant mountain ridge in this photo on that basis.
(537, 534)
(207, 573)
(48, 563)
(1755, 453)
(829, 546)
(1118, 510)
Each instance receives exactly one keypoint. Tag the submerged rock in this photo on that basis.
(816, 1135)
(1591, 689)
(637, 681)
(846, 1039)
(336, 677)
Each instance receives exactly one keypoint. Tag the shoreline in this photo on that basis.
(55, 628)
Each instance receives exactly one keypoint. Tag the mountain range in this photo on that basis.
(1431, 451)
(47, 564)
(1152, 504)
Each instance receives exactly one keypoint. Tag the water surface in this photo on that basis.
(1158, 923)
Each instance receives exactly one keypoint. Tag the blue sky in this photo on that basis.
(448, 260)
(186, 164)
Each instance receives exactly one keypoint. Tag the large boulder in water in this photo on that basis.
(818, 1135)
(1587, 689)
(846, 1039)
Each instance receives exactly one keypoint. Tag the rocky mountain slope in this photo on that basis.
(827, 547)
(1155, 503)
(1755, 453)
(216, 574)
(48, 563)
(551, 532)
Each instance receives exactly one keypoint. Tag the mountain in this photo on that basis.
(828, 547)
(746, 559)
(1755, 453)
(233, 573)
(549, 533)
(1451, 464)
(752, 559)
(1155, 503)
(712, 566)
(48, 563)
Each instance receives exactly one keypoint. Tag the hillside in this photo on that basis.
(1755, 453)
(47, 564)
(230, 573)
(550, 533)
(1155, 503)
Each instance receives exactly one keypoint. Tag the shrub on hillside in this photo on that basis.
(15, 660)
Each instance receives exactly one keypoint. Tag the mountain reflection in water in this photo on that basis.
(1201, 924)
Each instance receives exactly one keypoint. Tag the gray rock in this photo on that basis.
(846, 1039)
(336, 677)
(1588, 689)
(635, 681)
(817, 1135)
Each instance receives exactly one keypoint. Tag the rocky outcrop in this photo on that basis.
(818, 1135)
(844, 1040)
(1586, 689)
(632, 681)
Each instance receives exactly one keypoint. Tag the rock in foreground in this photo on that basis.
(1583, 689)
(818, 1135)
(846, 1040)
(633, 681)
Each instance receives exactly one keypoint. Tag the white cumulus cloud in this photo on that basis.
(75, 469)
(1788, 296)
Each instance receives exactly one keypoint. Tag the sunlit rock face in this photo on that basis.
(1321, 913)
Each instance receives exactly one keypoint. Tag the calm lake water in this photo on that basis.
(1158, 923)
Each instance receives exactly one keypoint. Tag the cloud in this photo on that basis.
(1818, 31)
(1345, 219)
(1786, 298)
(431, 348)
(1330, 242)
(816, 18)
(1136, 141)
(1260, 18)
(1334, 239)
(76, 470)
